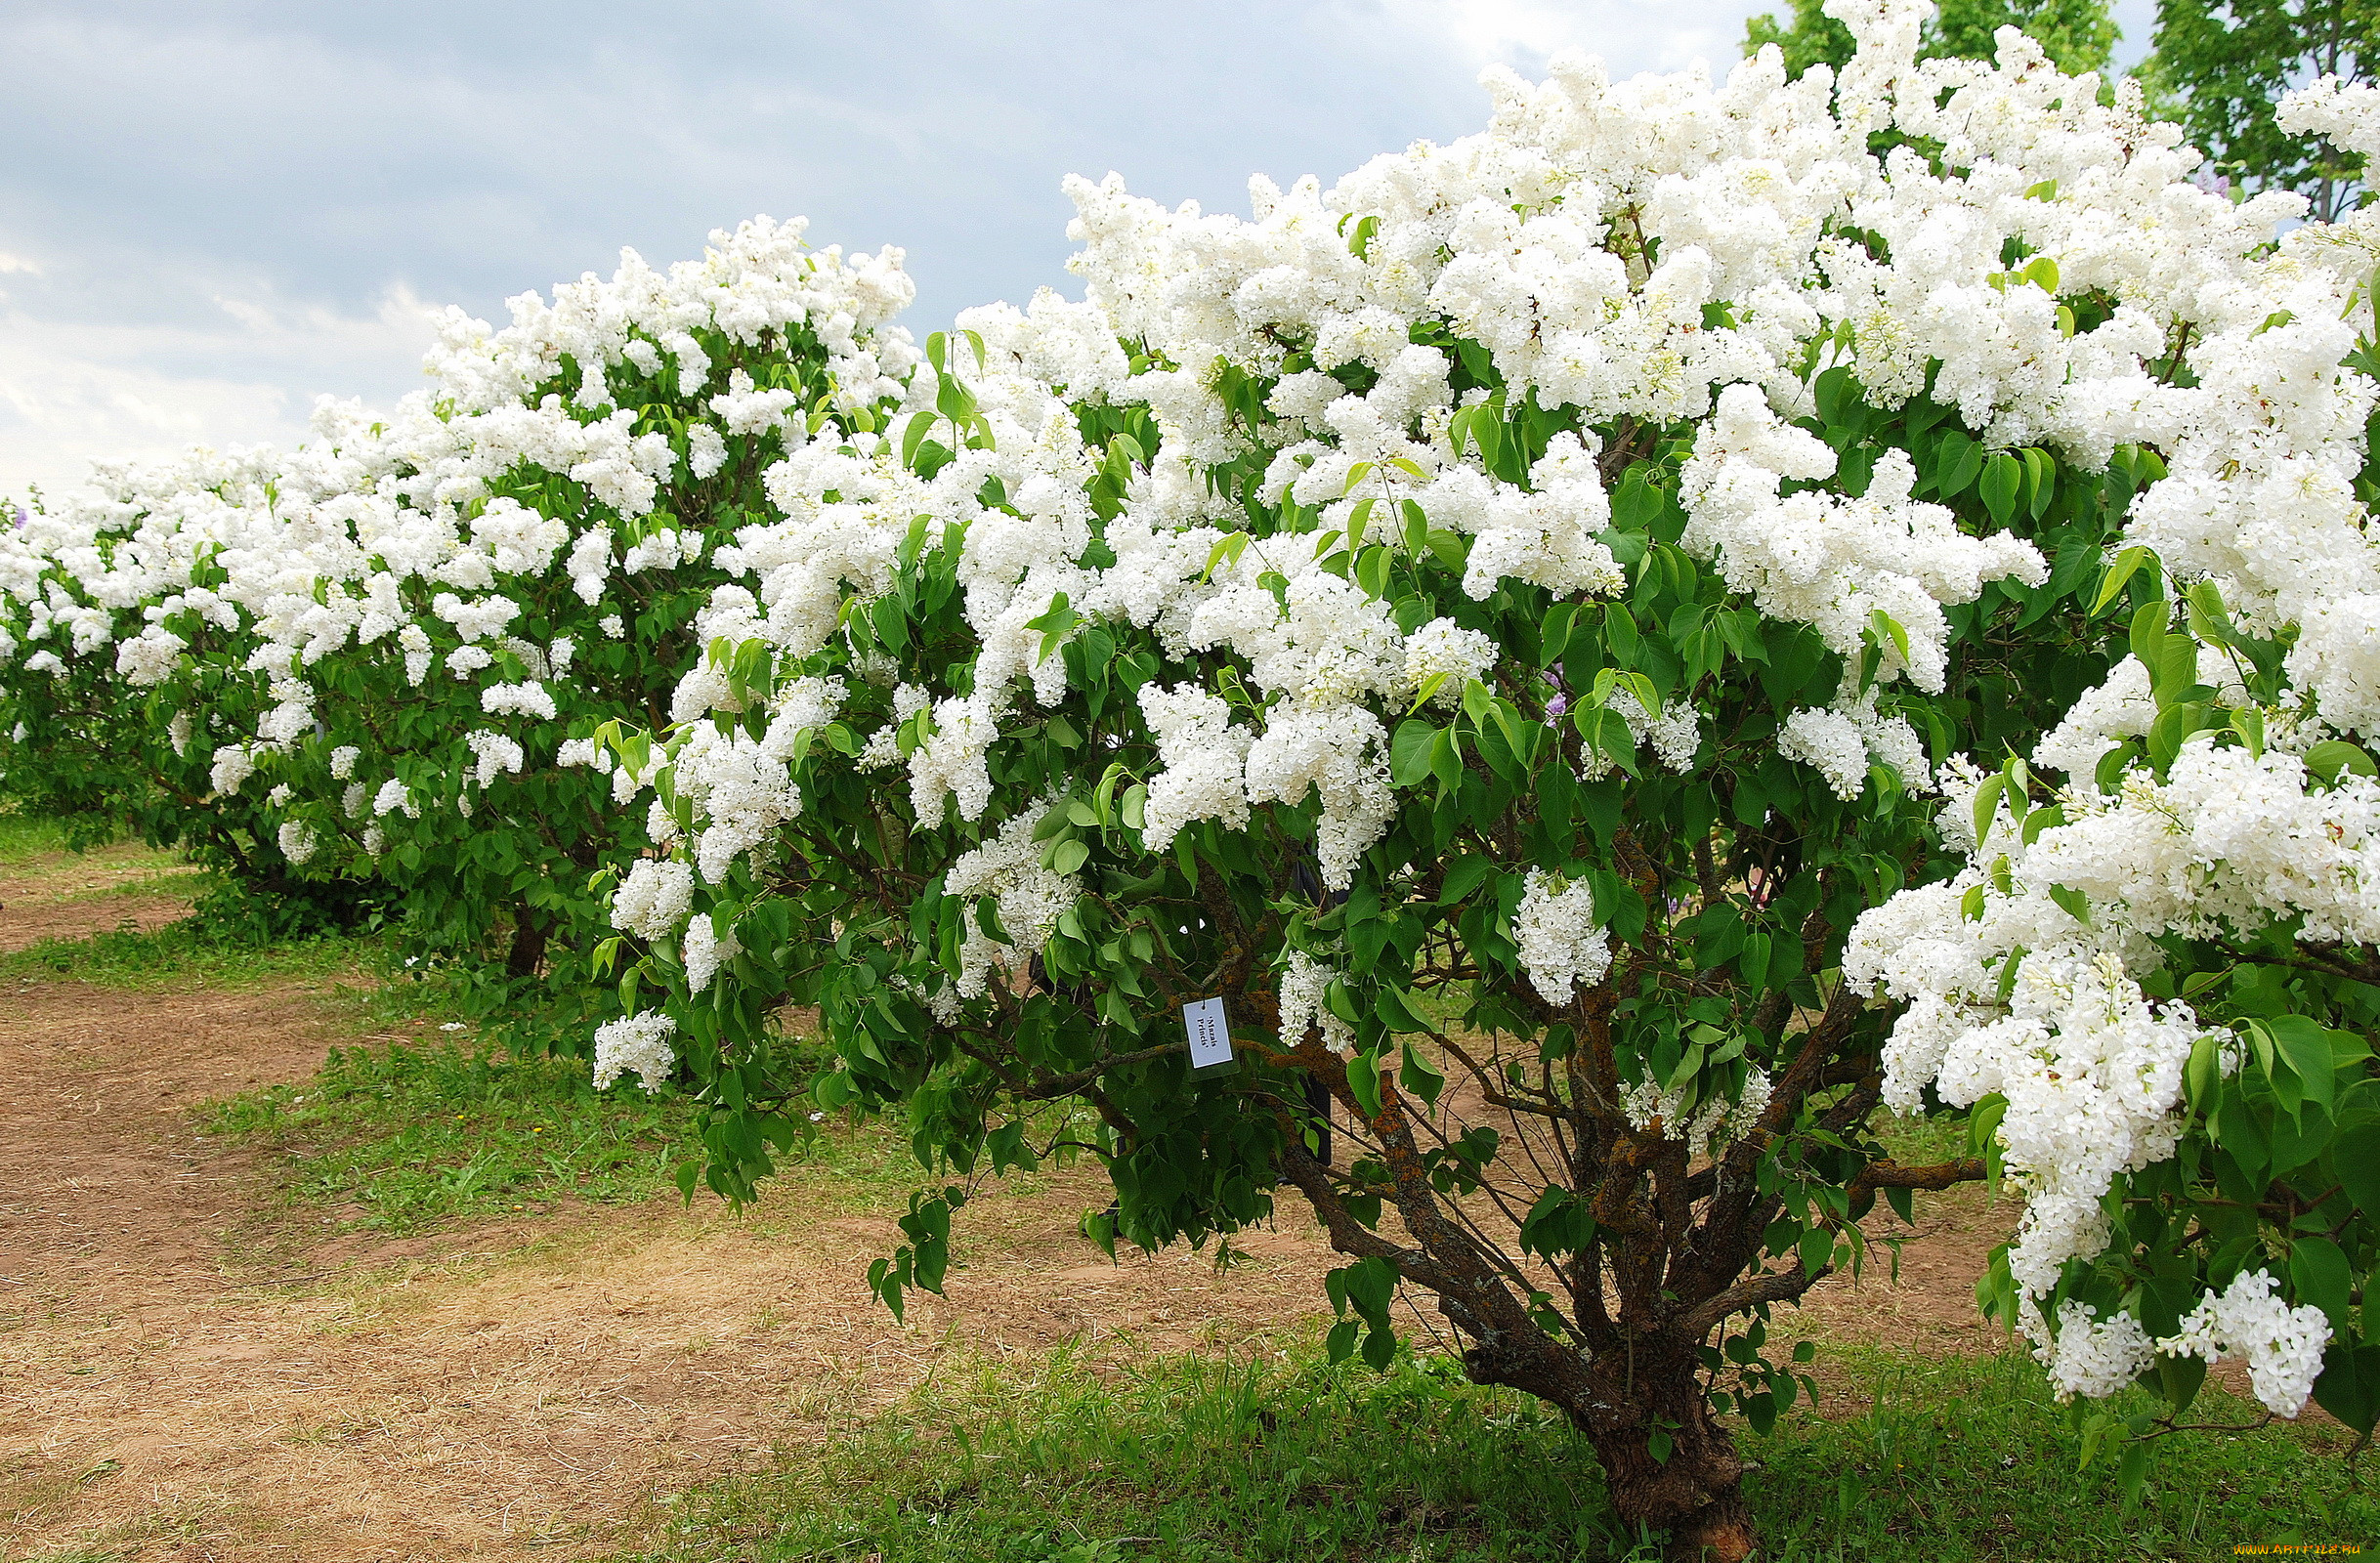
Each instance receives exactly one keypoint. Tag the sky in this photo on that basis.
(210, 215)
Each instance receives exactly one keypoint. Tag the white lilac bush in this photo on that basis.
(1621, 650)
(384, 654)
(86, 740)
(1618, 649)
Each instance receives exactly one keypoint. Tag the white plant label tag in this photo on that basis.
(1209, 1037)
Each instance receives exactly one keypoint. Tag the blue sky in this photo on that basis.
(209, 215)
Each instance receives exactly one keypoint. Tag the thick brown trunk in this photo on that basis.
(527, 950)
(1691, 1485)
(1692, 1488)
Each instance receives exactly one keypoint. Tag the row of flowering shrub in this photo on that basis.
(1621, 649)
(374, 664)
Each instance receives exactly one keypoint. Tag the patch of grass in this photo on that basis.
(1277, 1456)
(181, 953)
(403, 1136)
(1967, 1458)
(1922, 1141)
(29, 835)
(408, 1137)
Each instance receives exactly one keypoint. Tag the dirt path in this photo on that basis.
(465, 1395)
(168, 1391)
(74, 895)
(173, 1388)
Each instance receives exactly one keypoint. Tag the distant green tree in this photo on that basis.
(2077, 35)
(2220, 67)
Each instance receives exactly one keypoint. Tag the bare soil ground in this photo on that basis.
(73, 894)
(176, 1381)
(190, 1372)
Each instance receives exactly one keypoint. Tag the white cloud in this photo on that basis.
(75, 392)
(1630, 35)
(212, 212)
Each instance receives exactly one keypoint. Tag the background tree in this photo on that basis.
(2077, 35)
(2219, 70)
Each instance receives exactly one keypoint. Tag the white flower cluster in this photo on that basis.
(1443, 651)
(1028, 898)
(656, 897)
(2231, 844)
(1675, 734)
(1562, 942)
(2281, 1345)
(705, 950)
(1204, 760)
(636, 1044)
(1830, 561)
(1715, 1121)
(1304, 980)
(1842, 741)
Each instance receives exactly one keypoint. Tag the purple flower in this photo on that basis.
(1556, 706)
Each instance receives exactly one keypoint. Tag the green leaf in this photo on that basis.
(2132, 1470)
(1446, 759)
(912, 437)
(2305, 1048)
(2040, 481)
(1394, 1011)
(1420, 1076)
(1987, 804)
(1070, 857)
(1752, 963)
(1409, 752)
(2350, 1385)
(1889, 632)
(1463, 877)
(1340, 1344)
(2002, 475)
(2356, 1152)
(2333, 757)
(1983, 1132)
(2319, 1277)
(2202, 1077)
(1364, 1080)
(2148, 641)
(1620, 635)
(1553, 634)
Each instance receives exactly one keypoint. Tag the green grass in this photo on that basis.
(1276, 1455)
(181, 953)
(24, 836)
(402, 1136)
(408, 1137)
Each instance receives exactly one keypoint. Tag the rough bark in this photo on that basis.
(527, 952)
